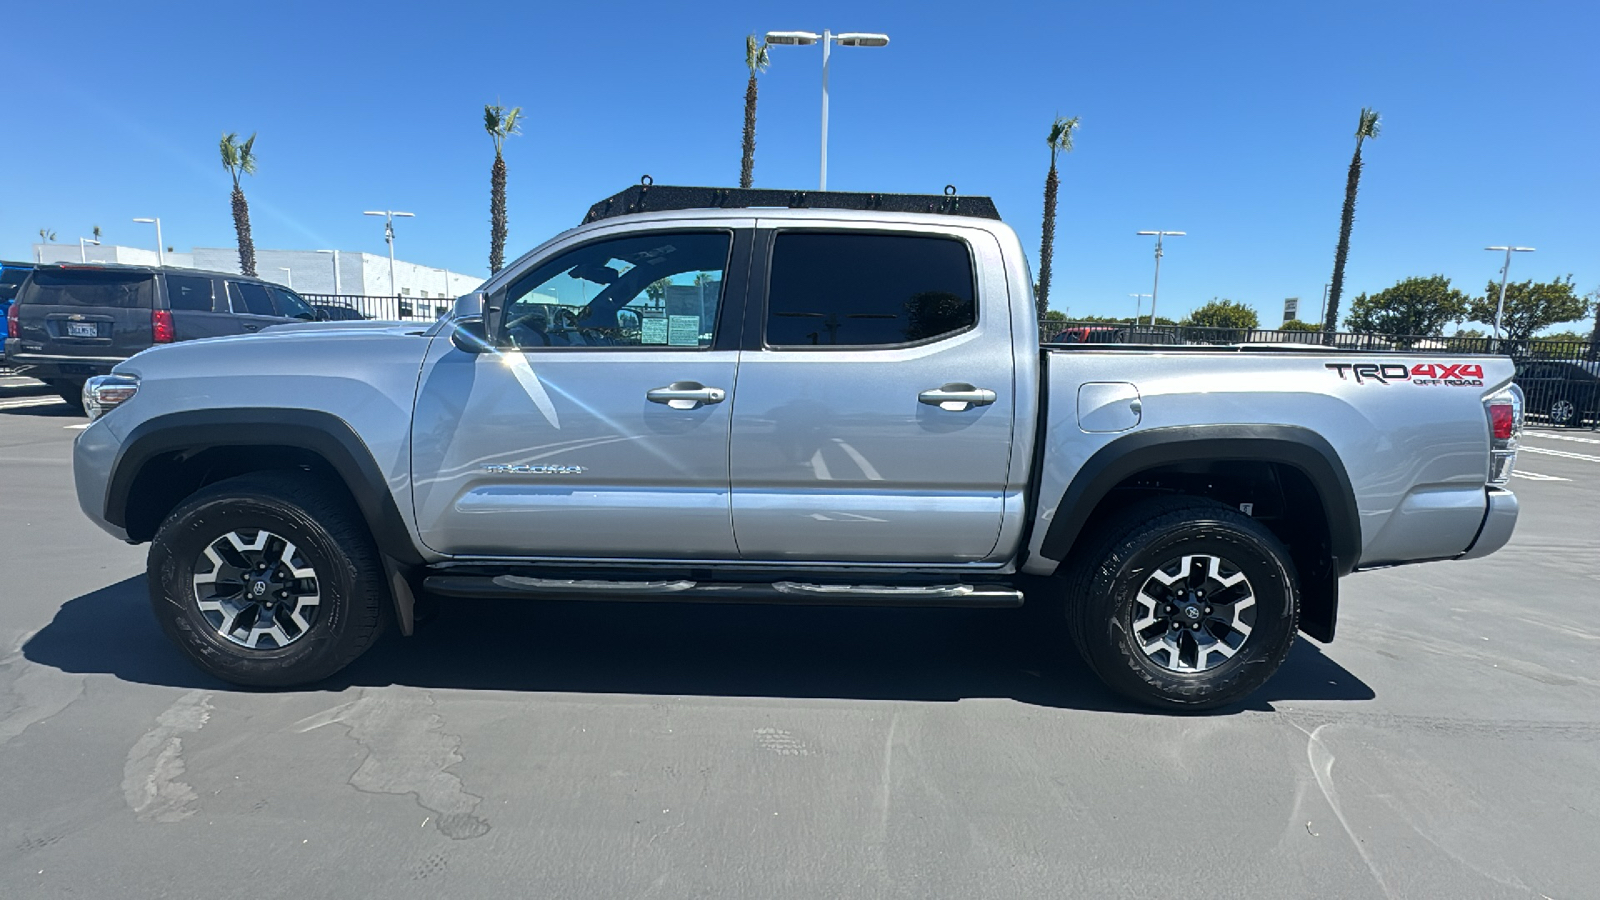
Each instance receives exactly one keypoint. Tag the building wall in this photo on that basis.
(310, 271)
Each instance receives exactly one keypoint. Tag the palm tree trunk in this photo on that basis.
(1346, 220)
(1594, 339)
(747, 165)
(1047, 242)
(241, 225)
(497, 215)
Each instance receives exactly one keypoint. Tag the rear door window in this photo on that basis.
(290, 305)
(88, 287)
(191, 293)
(859, 289)
(250, 298)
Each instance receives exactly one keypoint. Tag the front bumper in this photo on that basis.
(1499, 520)
(94, 455)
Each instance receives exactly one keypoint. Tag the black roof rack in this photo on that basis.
(650, 197)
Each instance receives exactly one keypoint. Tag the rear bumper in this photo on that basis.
(56, 367)
(1499, 520)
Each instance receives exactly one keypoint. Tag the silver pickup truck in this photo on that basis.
(730, 396)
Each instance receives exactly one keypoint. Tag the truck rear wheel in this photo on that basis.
(1183, 603)
(268, 580)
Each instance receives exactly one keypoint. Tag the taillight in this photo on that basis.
(13, 322)
(161, 326)
(1504, 409)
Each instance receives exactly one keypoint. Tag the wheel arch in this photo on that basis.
(166, 458)
(1303, 467)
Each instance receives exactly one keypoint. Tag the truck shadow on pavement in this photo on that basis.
(680, 649)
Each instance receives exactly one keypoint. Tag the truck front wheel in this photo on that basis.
(268, 580)
(1183, 603)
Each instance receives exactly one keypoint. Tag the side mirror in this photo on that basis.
(468, 306)
(627, 319)
(469, 336)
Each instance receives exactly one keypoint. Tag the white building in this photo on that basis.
(351, 273)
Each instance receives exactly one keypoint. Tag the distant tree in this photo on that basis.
(1297, 325)
(1530, 306)
(1224, 314)
(1060, 141)
(1470, 333)
(1053, 315)
(657, 290)
(500, 123)
(240, 159)
(703, 278)
(1413, 306)
(1594, 339)
(1367, 127)
(96, 231)
(46, 235)
(756, 59)
(1567, 337)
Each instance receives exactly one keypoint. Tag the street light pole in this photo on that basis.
(1505, 271)
(336, 290)
(83, 255)
(1156, 288)
(1138, 303)
(290, 271)
(388, 235)
(1322, 312)
(827, 38)
(161, 252)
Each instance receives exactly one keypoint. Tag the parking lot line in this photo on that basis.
(1561, 437)
(1530, 476)
(30, 401)
(1564, 454)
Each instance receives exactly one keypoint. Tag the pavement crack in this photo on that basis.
(151, 778)
(37, 693)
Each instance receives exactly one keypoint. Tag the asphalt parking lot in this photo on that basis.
(1446, 745)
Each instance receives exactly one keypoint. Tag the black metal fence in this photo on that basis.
(402, 308)
(1560, 379)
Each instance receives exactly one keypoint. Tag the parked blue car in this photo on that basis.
(12, 274)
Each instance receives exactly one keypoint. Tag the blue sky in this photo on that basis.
(1232, 122)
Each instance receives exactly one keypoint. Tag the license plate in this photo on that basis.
(83, 329)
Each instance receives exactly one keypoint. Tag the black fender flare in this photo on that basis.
(1292, 445)
(321, 433)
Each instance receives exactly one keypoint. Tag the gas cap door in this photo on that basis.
(1108, 406)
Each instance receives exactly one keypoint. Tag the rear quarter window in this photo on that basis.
(112, 290)
(189, 292)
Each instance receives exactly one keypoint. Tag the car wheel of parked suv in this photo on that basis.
(1563, 412)
(1183, 603)
(70, 392)
(268, 580)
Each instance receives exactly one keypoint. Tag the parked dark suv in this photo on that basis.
(12, 275)
(71, 322)
(1564, 392)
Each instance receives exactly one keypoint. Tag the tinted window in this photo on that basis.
(248, 297)
(657, 289)
(867, 289)
(290, 304)
(88, 287)
(190, 292)
(10, 280)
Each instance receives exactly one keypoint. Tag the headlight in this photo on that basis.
(103, 393)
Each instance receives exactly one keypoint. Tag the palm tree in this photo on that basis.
(501, 123)
(47, 235)
(1060, 141)
(97, 234)
(240, 159)
(755, 59)
(1367, 127)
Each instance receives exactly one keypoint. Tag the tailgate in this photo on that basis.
(86, 313)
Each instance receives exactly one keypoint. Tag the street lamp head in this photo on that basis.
(325, 251)
(146, 221)
(373, 212)
(407, 215)
(792, 38)
(1512, 249)
(862, 39)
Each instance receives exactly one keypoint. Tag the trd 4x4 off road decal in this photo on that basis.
(1453, 374)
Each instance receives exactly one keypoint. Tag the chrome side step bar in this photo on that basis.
(782, 592)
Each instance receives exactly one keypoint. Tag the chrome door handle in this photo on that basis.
(957, 397)
(686, 395)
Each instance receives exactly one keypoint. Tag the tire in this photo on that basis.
(319, 623)
(1140, 548)
(72, 393)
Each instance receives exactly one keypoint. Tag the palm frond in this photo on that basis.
(230, 150)
(756, 57)
(1370, 123)
(1061, 133)
(510, 126)
(492, 114)
(247, 156)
